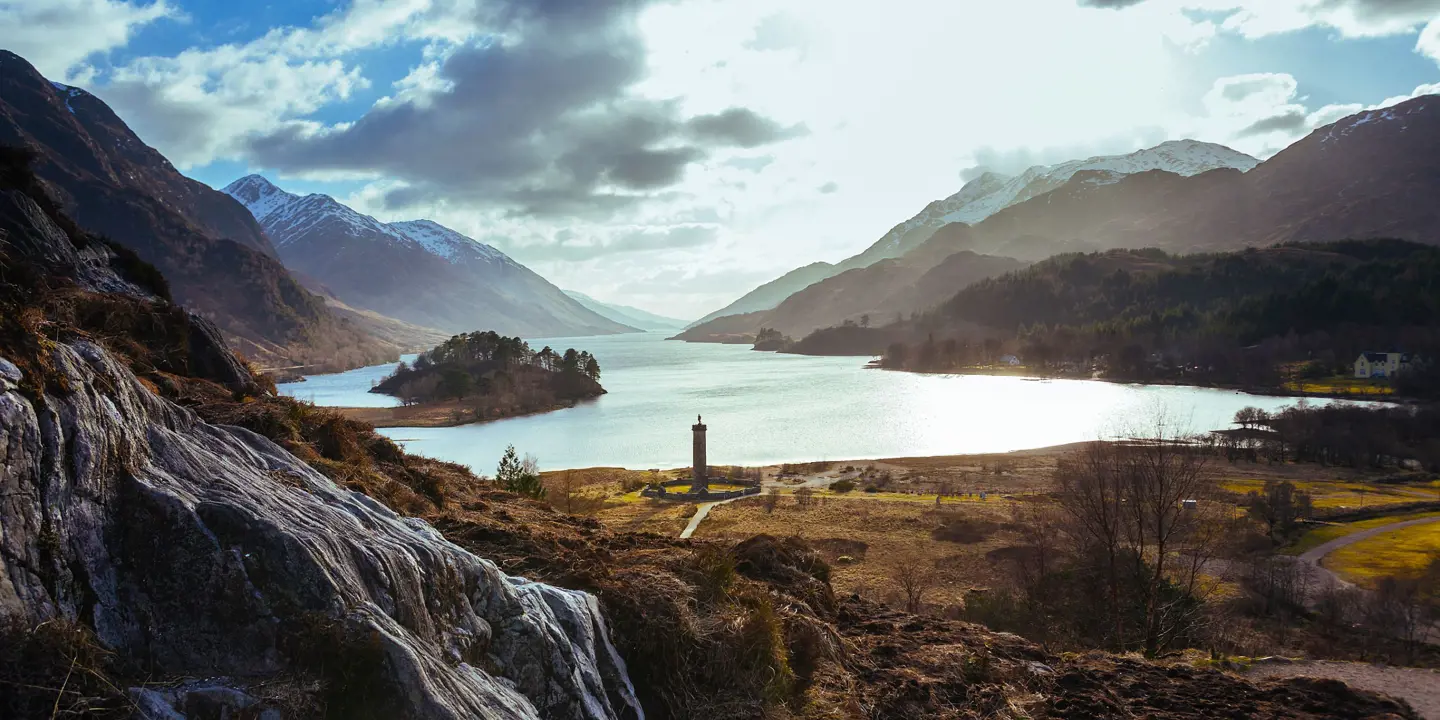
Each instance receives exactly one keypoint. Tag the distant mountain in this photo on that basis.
(881, 293)
(418, 271)
(217, 259)
(990, 193)
(627, 315)
(772, 293)
(1374, 174)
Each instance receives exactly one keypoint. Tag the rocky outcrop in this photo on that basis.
(209, 551)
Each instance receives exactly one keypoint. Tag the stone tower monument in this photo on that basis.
(700, 481)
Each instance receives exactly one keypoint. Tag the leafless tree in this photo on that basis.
(770, 500)
(805, 498)
(1150, 503)
(914, 577)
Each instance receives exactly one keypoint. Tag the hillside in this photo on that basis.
(1232, 318)
(628, 315)
(884, 292)
(217, 260)
(989, 193)
(418, 271)
(772, 293)
(1364, 176)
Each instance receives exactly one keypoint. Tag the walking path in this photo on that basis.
(1313, 556)
(701, 512)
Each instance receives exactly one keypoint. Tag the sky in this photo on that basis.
(674, 154)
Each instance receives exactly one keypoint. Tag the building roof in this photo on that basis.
(1382, 357)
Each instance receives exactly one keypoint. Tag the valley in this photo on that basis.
(349, 366)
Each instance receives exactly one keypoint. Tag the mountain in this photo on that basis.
(770, 294)
(418, 271)
(886, 291)
(1371, 175)
(990, 193)
(216, 258)
(627, 315)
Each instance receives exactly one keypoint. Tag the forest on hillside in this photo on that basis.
(1249, 318)
(494, 375)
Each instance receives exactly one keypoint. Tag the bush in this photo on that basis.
(842, 486)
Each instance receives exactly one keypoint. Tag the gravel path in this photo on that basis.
(1417, 686)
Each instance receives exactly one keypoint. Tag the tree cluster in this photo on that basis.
(1342, 434)
(1242, 318)
(486, 365)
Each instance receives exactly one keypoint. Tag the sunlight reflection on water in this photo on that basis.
(768, 408)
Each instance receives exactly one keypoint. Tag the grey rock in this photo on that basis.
(199, 547)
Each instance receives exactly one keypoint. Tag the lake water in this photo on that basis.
(764, 408)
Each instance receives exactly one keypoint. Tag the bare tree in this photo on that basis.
(805, 498)
(1151, 505)
(1279, 506)
(770, 500)
(914, 577)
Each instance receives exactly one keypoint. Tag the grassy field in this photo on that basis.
(1342, 385)
(1321, 535)
(1341, 494)
(1398, 553)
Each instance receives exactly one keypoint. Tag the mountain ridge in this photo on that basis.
(627, 315)
(988, 194)
(417, 271)
(218, 261)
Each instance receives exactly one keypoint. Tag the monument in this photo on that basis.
(701, 472)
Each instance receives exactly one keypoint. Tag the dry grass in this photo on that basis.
(864, 540)
(1391, 554)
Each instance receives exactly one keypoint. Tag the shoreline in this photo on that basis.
(437, 415)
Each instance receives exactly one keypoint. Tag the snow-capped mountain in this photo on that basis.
(988, 194)
(418, 271)
(992, 192)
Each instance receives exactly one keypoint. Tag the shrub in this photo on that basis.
(842, 486)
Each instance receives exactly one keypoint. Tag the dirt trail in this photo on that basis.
(1417, 686)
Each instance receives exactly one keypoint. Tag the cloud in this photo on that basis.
(1288, 121)
(567, 245)
(536, 118)
(828, 188)
(1353, 18)
(752, 163)
(57, 35)
(743, 128)
(779, 31)
(200, 106)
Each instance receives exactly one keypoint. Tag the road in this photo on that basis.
(1313, 556)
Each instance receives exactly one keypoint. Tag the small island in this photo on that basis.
(482, 376)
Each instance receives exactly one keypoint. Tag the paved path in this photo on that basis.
(818, 480)
(702, 511)
(1313, 556)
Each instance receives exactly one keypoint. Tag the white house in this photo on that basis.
(1381, 364)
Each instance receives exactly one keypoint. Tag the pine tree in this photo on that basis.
(519, 477)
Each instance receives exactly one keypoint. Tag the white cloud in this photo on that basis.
(56, 36)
